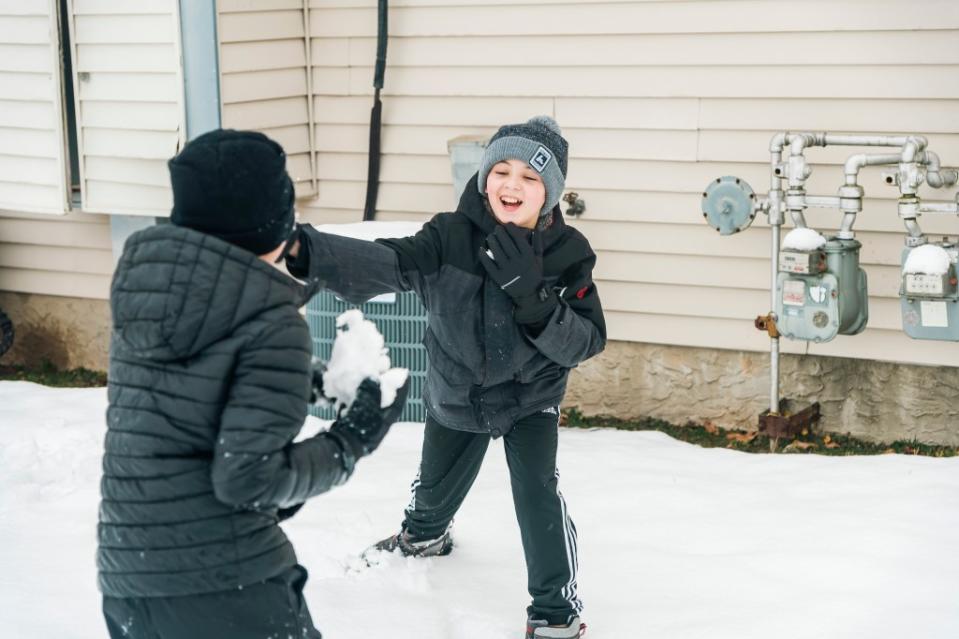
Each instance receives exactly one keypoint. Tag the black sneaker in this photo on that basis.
(406, 546)
(540, 629)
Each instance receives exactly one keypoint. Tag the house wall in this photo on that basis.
(656, 99)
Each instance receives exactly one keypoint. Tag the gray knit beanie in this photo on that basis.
(538, 142)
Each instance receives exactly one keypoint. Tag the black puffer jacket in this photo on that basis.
(208, 385)
(485, 370)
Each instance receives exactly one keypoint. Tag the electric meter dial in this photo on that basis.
(728, 205)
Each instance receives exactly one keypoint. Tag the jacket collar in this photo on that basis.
(475, 206)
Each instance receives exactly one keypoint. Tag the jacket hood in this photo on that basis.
(176, 291)
(475, 206)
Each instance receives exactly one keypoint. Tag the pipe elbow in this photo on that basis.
(852, 167)
(913, 146)
(777, 142)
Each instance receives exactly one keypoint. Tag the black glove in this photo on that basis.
(285, 513)
(317, 396)
(365, 424)
(513, 258)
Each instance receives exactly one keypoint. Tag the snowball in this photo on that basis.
(359, 351)
(930, 259)
(803, 240)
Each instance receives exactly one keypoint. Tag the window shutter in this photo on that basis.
(129, 101)
(33, 173)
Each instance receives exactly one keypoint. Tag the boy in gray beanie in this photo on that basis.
(537, 143)
(511, 308)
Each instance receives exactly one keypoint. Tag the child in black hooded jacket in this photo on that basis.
(511, 309)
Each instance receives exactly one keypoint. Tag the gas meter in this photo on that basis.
(929, 293)
(821, 290)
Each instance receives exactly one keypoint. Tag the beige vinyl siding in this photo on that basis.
(129, 98)
(32, 168)
(264, 82)
(656, 99)
(69, 255)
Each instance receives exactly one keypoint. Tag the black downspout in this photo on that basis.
(376, 115)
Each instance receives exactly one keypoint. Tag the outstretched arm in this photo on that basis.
(357, 270)
(255, 462)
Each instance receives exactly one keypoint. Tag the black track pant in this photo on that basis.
(273, 608)
(451, 460)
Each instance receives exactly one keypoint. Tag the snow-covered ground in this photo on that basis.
(675, 541)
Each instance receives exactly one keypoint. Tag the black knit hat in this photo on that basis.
(539, 142)
(234, 185)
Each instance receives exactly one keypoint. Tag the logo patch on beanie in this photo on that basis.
(541, 159)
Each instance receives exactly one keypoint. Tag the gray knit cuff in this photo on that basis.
(536, 155)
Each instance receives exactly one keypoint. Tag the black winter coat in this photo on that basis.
(208, 385)
(485, 370)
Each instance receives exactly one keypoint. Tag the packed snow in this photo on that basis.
(359, 352)
(676, 541)
(930, 259)
(371, 230)
(803, 239)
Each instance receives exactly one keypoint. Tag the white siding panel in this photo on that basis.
(236, 6)
(70, 260)
(116, 196)
(32, 166)
(68, 255)
(25, 58)
(24, 114)
(63, 231)
(294, 139)
(263, 85)
(130, 58)
(699, 49)
(21, 196)
(25, 29)
(84, 285)
(657, 99)
(890, 345)
(128, 171)
(147, 116)
(928, 82)
(261, 56)
(260, 25)
(33, 142)
(24, 7)
(118, 143)
(119, 28)
(439, 111)
(120, 7)
(128, 86)
(267, 113)
(26, 86)
(129, 103)
(614, 18)
(854, 114)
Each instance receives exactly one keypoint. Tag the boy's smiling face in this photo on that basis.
(516, 193)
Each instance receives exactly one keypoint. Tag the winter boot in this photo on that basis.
(540, 629)
(408, 546)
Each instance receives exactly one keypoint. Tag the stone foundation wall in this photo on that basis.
(68, 332)
(878, 401)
